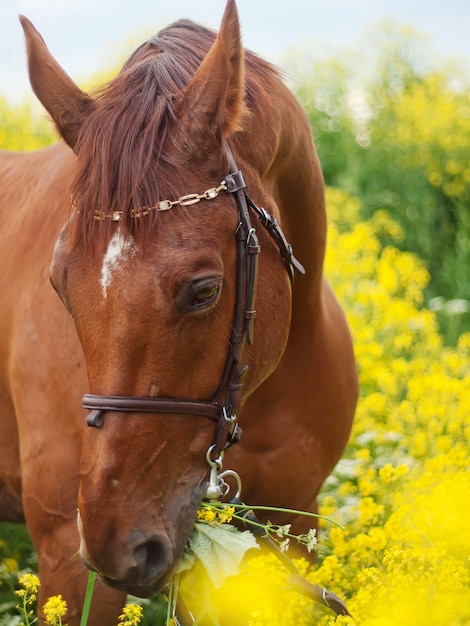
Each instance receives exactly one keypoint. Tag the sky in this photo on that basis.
(86, 35)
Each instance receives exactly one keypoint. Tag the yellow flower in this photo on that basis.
(131, 615)
(30, 582)
(8, 566)
(389, 474)
(225, 516)
(370, 512)
(54, 610)
(206, 515)
(218, 512)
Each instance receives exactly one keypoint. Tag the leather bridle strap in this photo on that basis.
(143, 404)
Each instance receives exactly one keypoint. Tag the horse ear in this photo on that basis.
(60, 96)
(214, 99)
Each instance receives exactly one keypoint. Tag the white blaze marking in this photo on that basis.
(115, 254)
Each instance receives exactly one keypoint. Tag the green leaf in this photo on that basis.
(220, 549)
(186, 561)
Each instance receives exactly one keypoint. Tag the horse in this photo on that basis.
(166, 220)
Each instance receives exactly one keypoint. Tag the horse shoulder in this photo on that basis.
(33, 187)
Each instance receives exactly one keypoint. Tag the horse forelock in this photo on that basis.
(125, 141)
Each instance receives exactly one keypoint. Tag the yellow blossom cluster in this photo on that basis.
(54, 610)
(131, 615)
(8, 567)
(29, 587)
(402, 490)
(214, 514)
(21, 128)
(27, 595)
(442, 126)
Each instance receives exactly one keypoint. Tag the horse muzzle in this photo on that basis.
(141, 567)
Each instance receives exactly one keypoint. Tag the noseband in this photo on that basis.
(223, 406)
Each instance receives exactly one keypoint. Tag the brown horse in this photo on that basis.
(156, 263)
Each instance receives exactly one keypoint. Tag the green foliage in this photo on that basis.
(394, 131)
(15, 543)
(16, 555)
(220, 549)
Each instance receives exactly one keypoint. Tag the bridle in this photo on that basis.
(223, 406)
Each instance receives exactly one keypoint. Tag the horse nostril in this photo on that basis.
(153, 558)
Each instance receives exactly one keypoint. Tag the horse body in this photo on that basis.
(29, 312)
(152, 299)
(42, 375)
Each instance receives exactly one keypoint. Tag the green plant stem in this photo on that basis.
(88, 597)
(24, 610)
(169, 607)
(247, 507)
(172, 598)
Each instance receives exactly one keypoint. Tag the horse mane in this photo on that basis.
(122, 143)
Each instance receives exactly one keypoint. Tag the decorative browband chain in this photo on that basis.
(231, 183)
(165, 205)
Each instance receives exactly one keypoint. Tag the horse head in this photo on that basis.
(147, 264)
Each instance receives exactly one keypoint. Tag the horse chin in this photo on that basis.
(133, 583)
(140, 591)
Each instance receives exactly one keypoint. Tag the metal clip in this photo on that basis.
(217, 487)
(214, 487)
(237, 479)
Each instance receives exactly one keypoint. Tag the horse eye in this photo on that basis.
(203, 293)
